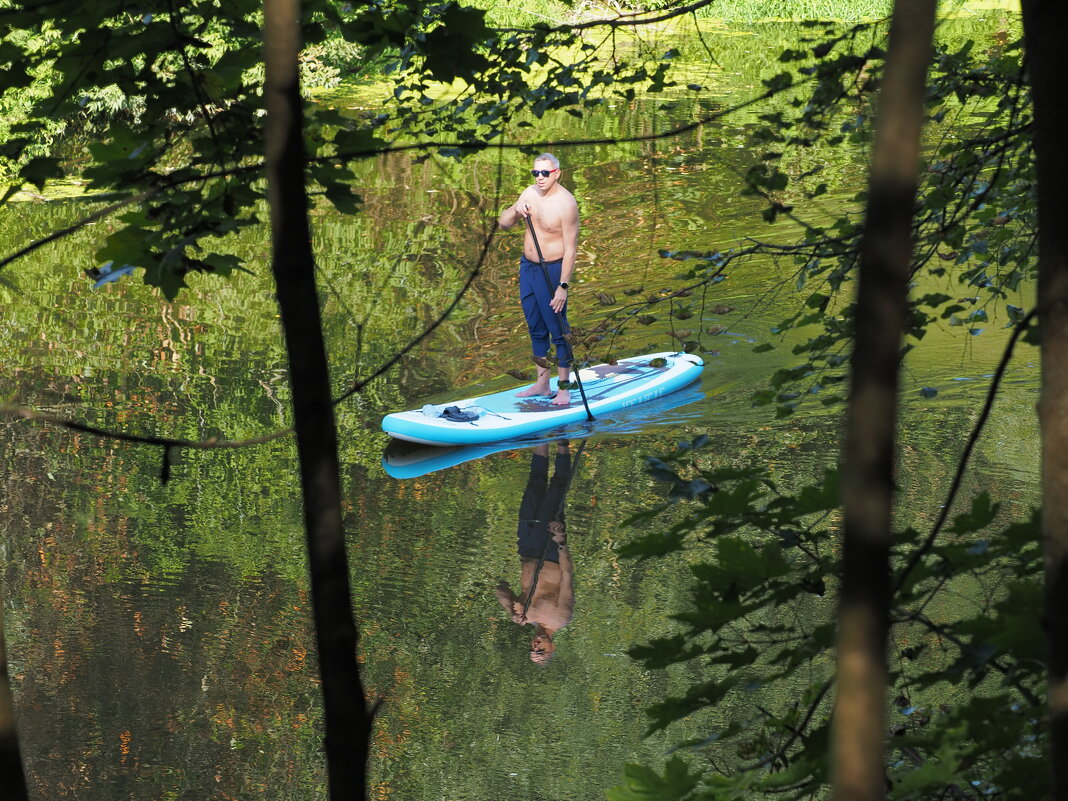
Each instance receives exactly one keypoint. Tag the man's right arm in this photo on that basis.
(505, 595)
(511, 215)
(512, 605)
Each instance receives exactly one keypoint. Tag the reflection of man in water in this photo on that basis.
(542, 531)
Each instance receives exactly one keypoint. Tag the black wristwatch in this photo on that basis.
(563, 285)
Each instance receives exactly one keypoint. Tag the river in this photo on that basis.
(159, 636)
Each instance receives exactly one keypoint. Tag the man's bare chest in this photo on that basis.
(548, 218)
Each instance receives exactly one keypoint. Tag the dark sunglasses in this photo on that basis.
(543, 173)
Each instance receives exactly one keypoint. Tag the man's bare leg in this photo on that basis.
(563, 396)
(541, 384)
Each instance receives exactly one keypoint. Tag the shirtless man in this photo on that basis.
(542, 532)
(554, 212)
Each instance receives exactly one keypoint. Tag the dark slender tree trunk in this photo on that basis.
(1045, 29)
(882, 299)
(348, 721)
(12, 778)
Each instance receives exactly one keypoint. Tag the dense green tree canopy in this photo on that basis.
(162, 103)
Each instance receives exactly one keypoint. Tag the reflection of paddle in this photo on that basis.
(556, 518)
(559, 317)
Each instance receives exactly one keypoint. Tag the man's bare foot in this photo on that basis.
(563, 398)
(537, 389)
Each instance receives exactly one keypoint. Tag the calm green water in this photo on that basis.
(159, 636)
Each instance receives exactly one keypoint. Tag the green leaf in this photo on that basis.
(978, 517)
(167, 276)
(226, 76)
(817, 301)
(645, 784)
(451, 50)
(779, 82)
(820, 497)
(937, 772)
(357, 141)
(705, 694)
(933, 299)
(225, 264)
(39, 170)
(660, 653)
(763, 397)
(652, 544)
(740, 565)
(343, 198)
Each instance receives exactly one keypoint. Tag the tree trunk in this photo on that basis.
(12, 778)
(882, 298)
(1045, 25)
(347, 719)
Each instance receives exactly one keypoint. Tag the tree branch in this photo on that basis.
(70, 229)
(943, 631)
(630, 19)
(928, 543)
(214, 443)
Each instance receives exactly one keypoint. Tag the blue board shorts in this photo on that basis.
(542, 322)
(542, 503)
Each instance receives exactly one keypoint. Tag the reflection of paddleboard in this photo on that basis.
(502, 415)
(410, 460)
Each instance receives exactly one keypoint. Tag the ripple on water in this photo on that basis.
(158, 681)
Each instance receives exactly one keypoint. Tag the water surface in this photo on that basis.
(159, 635)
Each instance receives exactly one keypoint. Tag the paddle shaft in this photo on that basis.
(559, 317)
(556, 517)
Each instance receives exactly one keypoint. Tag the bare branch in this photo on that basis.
(928, 543)
(212, 443)
(946, 632)
(70, 229)
(630, 19)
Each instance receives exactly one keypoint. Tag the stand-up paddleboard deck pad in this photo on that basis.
(503, 415)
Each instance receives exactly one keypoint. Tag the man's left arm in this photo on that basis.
(566, 597)
(569, 231)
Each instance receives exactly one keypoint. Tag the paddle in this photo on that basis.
(559, 317)
(556, 517)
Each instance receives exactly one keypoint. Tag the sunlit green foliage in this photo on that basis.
(177, 94)
(975, 223)
(761, 616)
(968, 678)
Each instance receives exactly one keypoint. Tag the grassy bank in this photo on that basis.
(553, 12)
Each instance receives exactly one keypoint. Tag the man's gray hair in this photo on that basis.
(549, 157)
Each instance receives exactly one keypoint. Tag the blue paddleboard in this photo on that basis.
(404, 460)
(503, 415)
